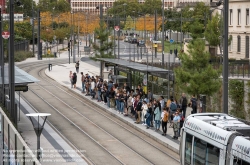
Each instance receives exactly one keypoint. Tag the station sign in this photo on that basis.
(109, 64)
(23, 88)
(156, 42)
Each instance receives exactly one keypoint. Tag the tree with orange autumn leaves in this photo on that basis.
(60, 25)
(149, 23)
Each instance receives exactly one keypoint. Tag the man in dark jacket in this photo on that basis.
(138, 110)
(183, 103)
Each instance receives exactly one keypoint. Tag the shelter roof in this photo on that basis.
(21, 77)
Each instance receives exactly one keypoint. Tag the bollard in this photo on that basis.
(50, 67)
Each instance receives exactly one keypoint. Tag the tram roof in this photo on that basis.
(134, 65)
(21, 77)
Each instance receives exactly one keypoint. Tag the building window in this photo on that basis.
(231, 44)
(247, 16)
(247, 46)
(239, 16)
(238, 43)
(231, 17)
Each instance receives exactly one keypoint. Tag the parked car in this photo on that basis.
(141, 43)
(133, 41)
(126, 39)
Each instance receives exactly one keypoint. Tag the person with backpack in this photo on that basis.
(173, 108)
(164, 122)
(193, 102)
(183, 103)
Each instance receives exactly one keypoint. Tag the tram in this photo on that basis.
(214, 139)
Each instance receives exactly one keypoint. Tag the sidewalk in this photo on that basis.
(60, 74)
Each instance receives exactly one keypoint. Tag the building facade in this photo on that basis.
(90, 5)
(239, 29)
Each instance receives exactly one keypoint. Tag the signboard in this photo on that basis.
(5, 34)
(171, 41)
(117, 28)
(156, 42)
(108, 64)
(21, 88)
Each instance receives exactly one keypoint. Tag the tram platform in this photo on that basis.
(60, 73)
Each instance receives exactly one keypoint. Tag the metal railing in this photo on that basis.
(21, 45)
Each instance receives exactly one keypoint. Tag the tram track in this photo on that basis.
(92, 115)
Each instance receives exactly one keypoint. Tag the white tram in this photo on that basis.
(215, 139)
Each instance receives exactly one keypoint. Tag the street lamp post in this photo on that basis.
(33, 31)
(2, 57)
(162, 40)
(38, 128)
(225, 58)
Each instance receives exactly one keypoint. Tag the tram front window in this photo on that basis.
(199, 151)
(213, 155)
(188, 149)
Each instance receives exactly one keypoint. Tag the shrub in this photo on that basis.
(22, 55)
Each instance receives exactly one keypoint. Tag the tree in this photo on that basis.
(213, 32)
(195, 16)
(150, 6)
(236, 94)
(121, 8)
(23, 30)
(129, 23)
(196, 75)
(104, 48)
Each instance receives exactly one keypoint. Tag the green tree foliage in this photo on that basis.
(172, 19)
(236, 95)
(196, 15)
(22, 30)
(196, 30)
(122, 8)
(150, 6)
(25, 7)
(196, 75)
(55, 7)
(104, 48)
(213, 32)
(129, 23)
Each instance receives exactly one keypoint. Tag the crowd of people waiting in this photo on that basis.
(144, 108)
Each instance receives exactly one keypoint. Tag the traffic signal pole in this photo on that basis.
(69, 51)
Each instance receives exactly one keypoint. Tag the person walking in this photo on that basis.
(83, 82)
(157, 113)
(164, 116)
(77, 66)
(74, 79)
(183, 103)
